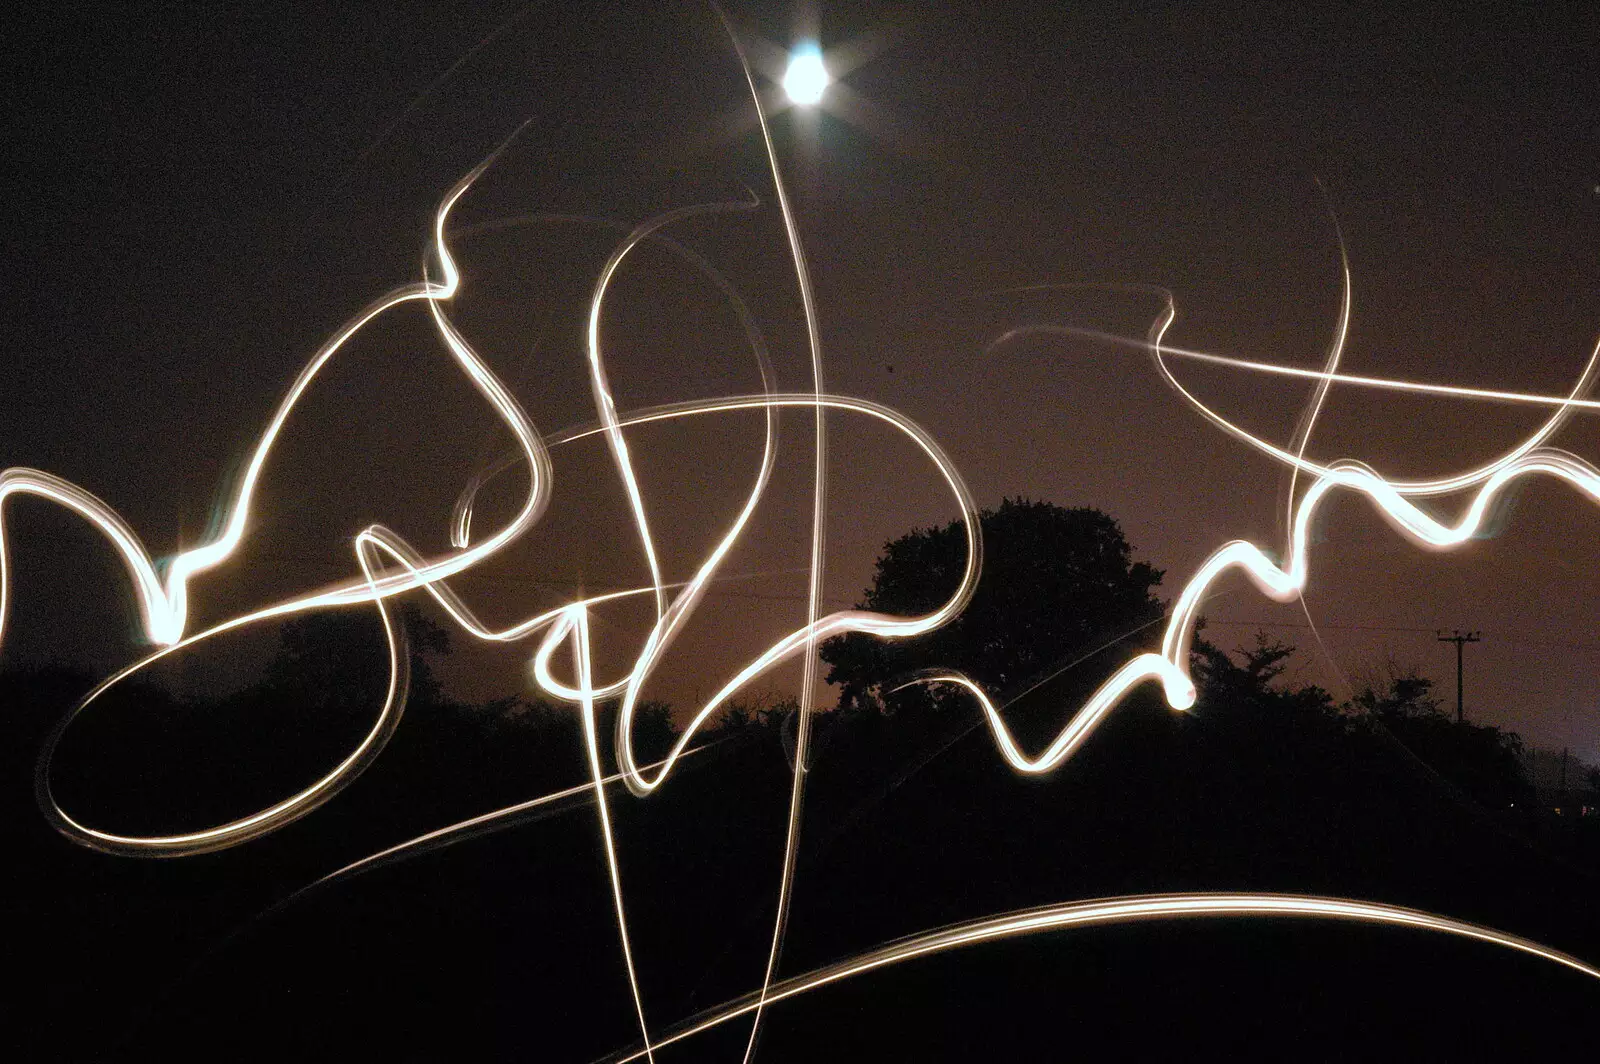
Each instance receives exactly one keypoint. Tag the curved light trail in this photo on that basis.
(389, 567)
(1108, 911)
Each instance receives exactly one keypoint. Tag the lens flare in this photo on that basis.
(806, 78)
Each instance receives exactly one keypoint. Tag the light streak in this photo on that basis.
(575, 624)
(555, 802)
(1573, 401)
(163, 603)
(1110, 911)
(389, 566)
(805, 82)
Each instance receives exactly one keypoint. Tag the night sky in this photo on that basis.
(199, 194)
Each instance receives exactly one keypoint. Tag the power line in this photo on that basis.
(1334, 627)
(1511, 640)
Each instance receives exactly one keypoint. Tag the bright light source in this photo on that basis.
(806, 79)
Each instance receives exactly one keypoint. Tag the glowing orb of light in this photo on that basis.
(806, 79)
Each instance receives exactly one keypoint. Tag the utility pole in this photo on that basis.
(1563, 780)
(1460, 639)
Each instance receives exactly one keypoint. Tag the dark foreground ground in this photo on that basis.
(504, 947)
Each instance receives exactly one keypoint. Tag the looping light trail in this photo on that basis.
(389, 566)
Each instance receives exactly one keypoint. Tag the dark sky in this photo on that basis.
(199, 194)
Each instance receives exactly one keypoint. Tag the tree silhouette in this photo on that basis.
(1481, 760)
(336, 659)
(1249, 690)
(1057, 583)
(1401, 695)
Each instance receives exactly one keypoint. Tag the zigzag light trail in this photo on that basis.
(390, 567)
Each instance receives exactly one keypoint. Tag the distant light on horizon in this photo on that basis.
(806, 79)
